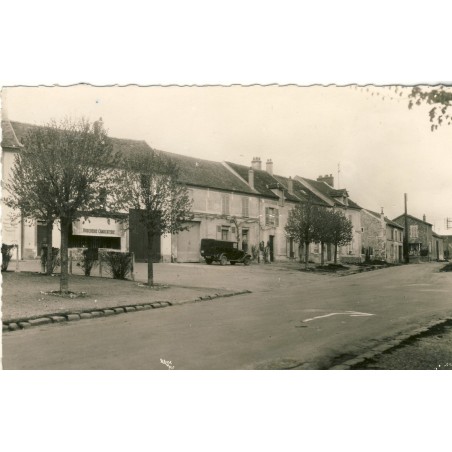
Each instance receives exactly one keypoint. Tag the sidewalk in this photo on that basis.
(27, 297)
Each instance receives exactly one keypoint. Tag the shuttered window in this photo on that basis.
(245, 207)
(225, 204)
(271, 217)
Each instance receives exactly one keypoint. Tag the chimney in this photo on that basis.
(290, 185)
(329, 179)
(251, 177)
(256, 163)
(269, 167)
(424, 218)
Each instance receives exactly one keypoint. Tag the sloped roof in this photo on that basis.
(332, 193)
(387, 220)
(262, 179)
(19, 130)
(206, 173)
(400, 217)
(434, 234)
(193, 171)
(301, 193)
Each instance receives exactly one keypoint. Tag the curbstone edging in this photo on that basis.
(58, 318)
(85, 315)
(378, 350)
(96, 314)
(15, 325)
(72, 317)
(40, 321)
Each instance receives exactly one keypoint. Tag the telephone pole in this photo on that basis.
(405, 235)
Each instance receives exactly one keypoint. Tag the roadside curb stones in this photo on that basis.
(24, 323)
(393, 343)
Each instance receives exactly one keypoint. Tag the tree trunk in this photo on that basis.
(335, 253)
(150, 257)
(49, 231)
(306, 255)
(64, 278)
(322, 251)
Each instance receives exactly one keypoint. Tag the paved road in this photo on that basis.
(291, 320)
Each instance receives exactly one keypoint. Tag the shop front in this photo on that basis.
(97, 232)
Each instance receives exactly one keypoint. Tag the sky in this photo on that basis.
(365, 136)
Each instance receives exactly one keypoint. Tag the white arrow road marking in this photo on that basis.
(350, 313)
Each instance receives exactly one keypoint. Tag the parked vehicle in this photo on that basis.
(223, 252)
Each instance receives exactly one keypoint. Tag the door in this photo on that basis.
(271, 243)
(291, 249)
(188, 244)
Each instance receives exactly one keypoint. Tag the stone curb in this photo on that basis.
(393, 343)
(24, 323)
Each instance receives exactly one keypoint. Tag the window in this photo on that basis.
(414, 233)
(245, 207)
(225, 234)
(271, 217)
(225, 204)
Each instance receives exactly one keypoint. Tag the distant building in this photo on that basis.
(382, 239)
(420, 237)
(338, 199)
(437, 246)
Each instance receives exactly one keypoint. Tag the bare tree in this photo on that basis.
(301, 225)
(61, 173)
(322, 229)
(151, 187)
(340, 230)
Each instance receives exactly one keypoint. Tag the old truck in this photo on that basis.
(223, 252)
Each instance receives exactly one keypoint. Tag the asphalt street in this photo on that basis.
(291, 320)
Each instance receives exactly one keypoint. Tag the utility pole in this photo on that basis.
(405, 235)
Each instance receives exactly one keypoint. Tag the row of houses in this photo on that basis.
(247, 204)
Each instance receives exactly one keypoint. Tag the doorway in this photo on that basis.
(271, 243)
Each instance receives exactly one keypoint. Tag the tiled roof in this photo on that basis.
(387, 220)
(262, 180)
(332, 193)
(195, 172)
(124, 146)
(300, 192)
(206, 173)
(401, 217)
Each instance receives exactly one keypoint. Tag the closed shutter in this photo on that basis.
(225, 205)
(276, 217)
(267, 216)
(245, 207)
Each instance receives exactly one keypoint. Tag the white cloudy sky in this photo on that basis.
(384, 149)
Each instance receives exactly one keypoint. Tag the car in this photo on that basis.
(223, 251)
